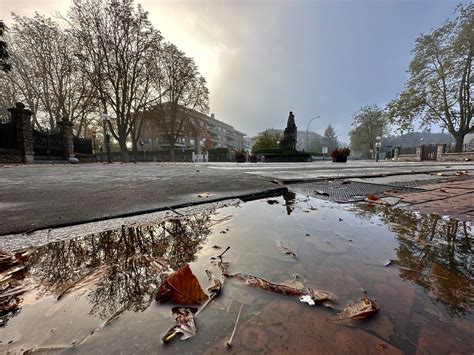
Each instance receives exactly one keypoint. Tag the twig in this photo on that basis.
(205, 304)
(220, 255)
(229, 343)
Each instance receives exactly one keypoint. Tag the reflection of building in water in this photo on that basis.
(121, 268)
(195, 127)
(436, 254)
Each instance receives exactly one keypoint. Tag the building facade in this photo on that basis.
(198, 131)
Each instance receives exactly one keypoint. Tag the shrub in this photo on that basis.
(340, 153)
(240, 156)
(253, 158)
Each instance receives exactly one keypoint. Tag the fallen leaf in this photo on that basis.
(321, 296)
(181, 287)
(216, 287)
(461, 173)
(361, 310)
(375, 199)
(258, 282)
(285, 249)
(205, 194)
(322, 193)
(185, 324)
(391, 192)
(443, 190)
(272, 202)
(345, 182)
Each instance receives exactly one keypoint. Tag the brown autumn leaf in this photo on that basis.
(372, 197)
(185, 324)
(391, 192)
(361, 310)
(181, 287)
(258, 282)
(461, 173)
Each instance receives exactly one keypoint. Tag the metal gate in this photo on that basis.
(48, 146)
(429, 152)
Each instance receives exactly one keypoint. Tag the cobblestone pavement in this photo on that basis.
(454, 199)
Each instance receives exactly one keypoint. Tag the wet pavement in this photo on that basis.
(34, 197)
(94, 293)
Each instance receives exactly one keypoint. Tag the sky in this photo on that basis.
(264, 58)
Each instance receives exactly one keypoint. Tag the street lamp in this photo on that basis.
(377, 148)
(307, 131)
(106, 119)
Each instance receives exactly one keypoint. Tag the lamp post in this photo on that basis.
(307, 131)
(106, 119)
(377, 148)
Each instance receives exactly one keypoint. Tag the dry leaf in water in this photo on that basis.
(361, 310)
(258, 282)
(216, 286)
(181, 287)
(185, 324)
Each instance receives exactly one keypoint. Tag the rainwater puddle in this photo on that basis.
(95, 293)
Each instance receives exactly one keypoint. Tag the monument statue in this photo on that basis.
(288, 143)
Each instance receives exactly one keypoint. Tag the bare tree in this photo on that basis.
(116, 44)
(183, 90)
(47, 74)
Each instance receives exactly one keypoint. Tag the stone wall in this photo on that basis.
(464, 156)
(407, 157)
(11, 156)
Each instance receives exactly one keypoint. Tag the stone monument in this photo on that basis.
(288, 143)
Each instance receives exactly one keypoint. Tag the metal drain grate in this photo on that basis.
(348, 192)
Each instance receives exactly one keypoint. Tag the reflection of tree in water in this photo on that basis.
(436, 254)
(133, 259)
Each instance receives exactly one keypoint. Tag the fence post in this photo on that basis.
(441, 150)
(24, 133)
(419, 153)
(396, 153)
(68, 139)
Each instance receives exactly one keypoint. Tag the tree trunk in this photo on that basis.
(172, 146)
(123, 150)
(135, 149)
(459, 143)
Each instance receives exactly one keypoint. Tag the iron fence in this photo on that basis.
(407, 150)
(8, 133)
(467, 147)
(48, 146)
(82, 145)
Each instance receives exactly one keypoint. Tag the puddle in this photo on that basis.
(104, 284)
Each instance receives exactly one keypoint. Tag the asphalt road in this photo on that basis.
(36, 197)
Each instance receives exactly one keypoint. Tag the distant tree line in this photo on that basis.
(103, 56)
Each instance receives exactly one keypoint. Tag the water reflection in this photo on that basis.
(124, 267)
(435, 253)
